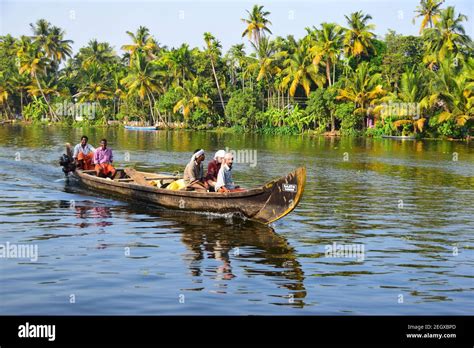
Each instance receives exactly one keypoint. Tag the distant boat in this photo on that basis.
(400, 137)
(150, 128)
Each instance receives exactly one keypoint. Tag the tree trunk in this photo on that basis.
(151, 109)
(364, 123)
(21, 102)
(333, 123)
(159, 113)
(217, 84)
(328, 71)
(44, 97)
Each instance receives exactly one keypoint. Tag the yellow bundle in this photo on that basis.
(177, 185)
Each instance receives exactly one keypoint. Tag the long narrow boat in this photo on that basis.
(399, 137)
(151, 128)
(265, 204)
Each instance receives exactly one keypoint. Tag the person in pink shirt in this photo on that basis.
(103, 159)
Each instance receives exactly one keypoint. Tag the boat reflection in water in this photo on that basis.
(85, 210)
(240, 247)
(220, 250)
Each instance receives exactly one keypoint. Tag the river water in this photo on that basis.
(405, 208)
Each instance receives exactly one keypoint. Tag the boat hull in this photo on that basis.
(399, 137)
(264, 204)
(141, 128)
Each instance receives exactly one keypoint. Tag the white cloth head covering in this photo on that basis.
(197, 154)
(220, 153)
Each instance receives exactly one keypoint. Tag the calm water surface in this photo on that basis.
(408, 203)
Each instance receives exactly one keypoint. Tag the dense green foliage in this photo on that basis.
(335, 78)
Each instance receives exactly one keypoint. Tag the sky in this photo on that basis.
(184, 21)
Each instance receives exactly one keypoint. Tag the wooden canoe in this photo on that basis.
(264, 204)
(138, 128)
(399, 137)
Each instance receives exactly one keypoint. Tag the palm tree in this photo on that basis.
(58, 47)
(447, 37)
(328, 47)
(300, 71)
(41, 31)
(237, 61)
(191, 98)
(265, 65)
(358, 37)
(180, 64)
(5, 91)
(212, 51)
(413, 90)
(96, 85)
(265, 62)
(51, 41)
(34, 63)
(141, 41)
(257, 24)
(430, 11)
(142, 80)
(453, 92)
(363, 88)
(96, 53)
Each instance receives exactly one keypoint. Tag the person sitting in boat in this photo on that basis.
(103, 159)
(225, 183)
(83, 154)
(213, 169)
(194, 173)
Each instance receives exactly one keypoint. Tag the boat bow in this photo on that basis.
(285, 196)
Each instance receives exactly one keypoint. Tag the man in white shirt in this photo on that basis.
(225, 183)
(83, 154)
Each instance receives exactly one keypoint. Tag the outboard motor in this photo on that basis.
(67, 162)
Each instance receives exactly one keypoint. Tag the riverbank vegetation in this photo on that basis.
(339, 78)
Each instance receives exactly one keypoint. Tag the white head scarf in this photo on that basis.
(197, 154)
(220, 153)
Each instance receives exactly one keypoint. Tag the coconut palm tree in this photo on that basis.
(413, 90)
(328, 47)
(257, 24)
(58, 47)
(41, 32)
(95, 52)
(141, 41)
(236, 60)
(300, 71)
(180, 64)
(363, 88)
(447, 37)
(265, 62)
(5, 91)
(51, 41)
(33, 63)
(213, 52)
(191, 99)
(96, 85)
(143, 80)
(429, 11)
(358, 36)
(265, 65)
(453, 92)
